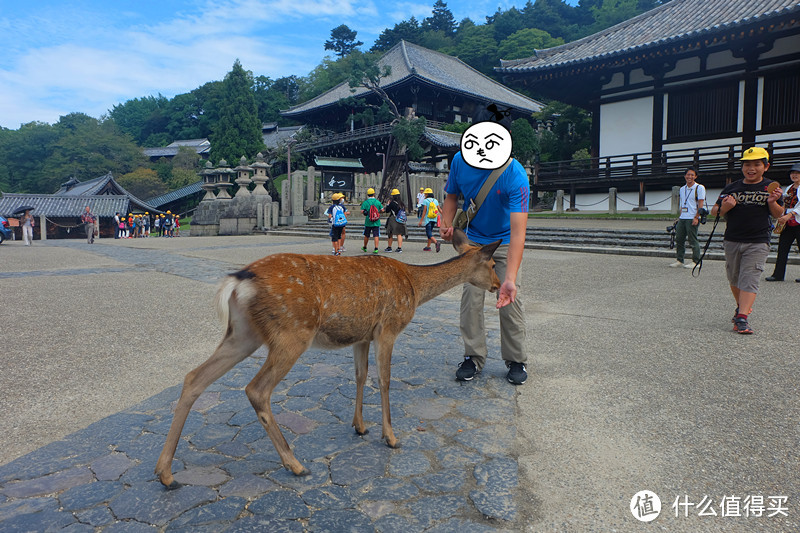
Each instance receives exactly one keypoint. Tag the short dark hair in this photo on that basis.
(693, 169)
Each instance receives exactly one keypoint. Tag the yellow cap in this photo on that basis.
(428, 191)
(168, 212)
(422, 188)
(370, 191)
(756, 152)
(395, 191)
(336, 196)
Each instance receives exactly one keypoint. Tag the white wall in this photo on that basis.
(626, 127)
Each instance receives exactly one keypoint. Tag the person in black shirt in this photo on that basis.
(747, 205)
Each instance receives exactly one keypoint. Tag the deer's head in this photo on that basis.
(483, 274)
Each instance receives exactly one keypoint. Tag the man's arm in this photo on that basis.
(449, 209)
(516, 246)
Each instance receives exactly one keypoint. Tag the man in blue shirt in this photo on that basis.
(503, 216)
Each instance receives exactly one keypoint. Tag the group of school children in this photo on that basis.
(428, 210)
(136, 226)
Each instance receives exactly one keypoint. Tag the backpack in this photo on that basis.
(374, 214)
(339, 220)
(401, 216)
(433, 210)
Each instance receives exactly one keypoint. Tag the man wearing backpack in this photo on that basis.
(371, 208)
(430, 214)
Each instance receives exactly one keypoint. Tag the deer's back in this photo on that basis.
(336, 300)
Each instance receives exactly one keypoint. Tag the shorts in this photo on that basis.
(336, 233)
(429, 229)
(393, 227)
(744, 263)
(372, 231)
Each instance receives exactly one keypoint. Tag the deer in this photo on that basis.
(291, 302)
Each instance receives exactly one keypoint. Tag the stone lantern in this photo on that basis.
(224, 182)
(209, 176)
(260, 177)
(243, 178)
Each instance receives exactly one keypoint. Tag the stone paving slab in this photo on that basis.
(443, 477)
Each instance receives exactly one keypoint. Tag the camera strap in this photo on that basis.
(699, 266)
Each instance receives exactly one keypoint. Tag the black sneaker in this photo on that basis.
(438, 246)
(399, 251)
(741, 326)
(517, 374)
(388, 249)
(466, 370)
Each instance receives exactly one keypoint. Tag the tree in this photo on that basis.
(342, 41)
(407, 30)
(526, 143)
(478, 48)
(441, 19)
(524, 43)
(143, 183)
(142, 118)
(237, 133)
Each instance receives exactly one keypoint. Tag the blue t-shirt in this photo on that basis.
(509, 195)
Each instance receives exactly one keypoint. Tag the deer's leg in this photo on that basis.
(361, 360)
(383, 358)
(239, 343)
(259, 391)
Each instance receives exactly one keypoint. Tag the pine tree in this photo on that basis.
(237, 133)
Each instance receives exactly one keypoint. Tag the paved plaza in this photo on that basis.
(636, 383)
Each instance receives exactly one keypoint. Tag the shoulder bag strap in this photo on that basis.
(488, 184)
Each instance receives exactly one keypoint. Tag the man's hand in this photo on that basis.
(446, 233)
(507, 294)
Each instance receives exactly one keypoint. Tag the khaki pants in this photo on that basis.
(512, 320)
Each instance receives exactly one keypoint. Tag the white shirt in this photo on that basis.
(688, 202)
(420, 198)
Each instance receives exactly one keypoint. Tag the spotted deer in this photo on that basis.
(290, 302)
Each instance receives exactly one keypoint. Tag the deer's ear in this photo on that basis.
(460, 241)
(488, 250)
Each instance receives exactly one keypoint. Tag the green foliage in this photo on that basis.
(142, 118)
(526, 142)
(143, 183)
(524, 43)
(441, 19)
(408, 30)
(408, 133)
(478, 48)
(456, 127)
(342, 41)
(237, 133)
(570, 131)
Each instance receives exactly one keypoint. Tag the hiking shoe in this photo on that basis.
(676, 264)
(388, 249)
(741, 326)
(466, 370)
(399, 251)
(517, 374)
(364, 249)
(426, 249)
(438, 246)
(375, 251)
(690, 265)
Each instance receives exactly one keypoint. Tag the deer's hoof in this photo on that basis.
(362, 433)
(304, 472)
(172, 486)
(394, 445)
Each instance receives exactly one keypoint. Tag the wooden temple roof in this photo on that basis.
(676, 27)
(410, 61)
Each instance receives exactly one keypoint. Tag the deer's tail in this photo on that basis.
(239, 286)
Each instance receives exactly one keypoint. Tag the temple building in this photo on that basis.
(689, 82)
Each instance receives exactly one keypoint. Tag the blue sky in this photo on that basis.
(87, 56)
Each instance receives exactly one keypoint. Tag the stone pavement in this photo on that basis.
(636, 383)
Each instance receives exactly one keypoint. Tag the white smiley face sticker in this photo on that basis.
(486, 145)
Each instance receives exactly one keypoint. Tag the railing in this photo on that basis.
(656, 166)
(356, 134)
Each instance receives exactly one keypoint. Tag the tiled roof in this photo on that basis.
(201, 146)
(274, 136)
(674, 21)
(449, 72)
(442, 138)
(53, 205)
(340, 162)
(177, 194)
